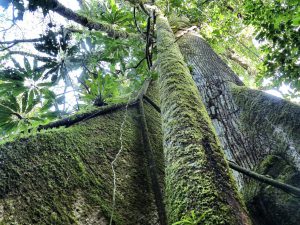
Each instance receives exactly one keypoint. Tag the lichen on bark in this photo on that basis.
(197, 176)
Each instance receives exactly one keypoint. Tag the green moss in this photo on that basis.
(259, 105)
(153, 119)
(45, 176)
(270, 121)
(178, 23)
(271, 206)
(197, 176)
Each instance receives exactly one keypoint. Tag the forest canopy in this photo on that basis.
(56, 60)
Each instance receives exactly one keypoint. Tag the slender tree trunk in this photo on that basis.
(197, 176)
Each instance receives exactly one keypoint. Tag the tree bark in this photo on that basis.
(269, 205)
(64, 175)
(250, 124)
(197, 176)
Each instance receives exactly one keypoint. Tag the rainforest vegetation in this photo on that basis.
(150, 112)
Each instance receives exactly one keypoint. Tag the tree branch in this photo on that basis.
(17, 41)
(137, 65)
(8, 47)
(40, 58)
(69, 121)
(144, 9)
(135, 21)
(148, 44)
(71, 15)
(285, 187)
(153, 104)
(133, 67)
(17, 115)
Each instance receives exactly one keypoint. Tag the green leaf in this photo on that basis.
(24, 101)
(30, 103)
(27, 67)
(9, 126)
(13, 103)
(5, 111)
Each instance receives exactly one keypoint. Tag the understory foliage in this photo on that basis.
(67, 67)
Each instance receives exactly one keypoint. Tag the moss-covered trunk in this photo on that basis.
(249, 123)
(197, 176)
(64, 176)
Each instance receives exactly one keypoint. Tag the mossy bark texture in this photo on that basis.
(271, 206)
(63, 176)
(249, 123)
(278, 121)
(197, 176)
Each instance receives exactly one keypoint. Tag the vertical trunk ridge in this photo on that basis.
(197, 175)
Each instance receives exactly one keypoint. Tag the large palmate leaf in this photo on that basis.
(101, 89)
(18, 80)
(20, 113)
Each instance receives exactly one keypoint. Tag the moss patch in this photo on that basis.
(261, 106)
(44, 175)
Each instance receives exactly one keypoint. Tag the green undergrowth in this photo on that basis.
(63, 176)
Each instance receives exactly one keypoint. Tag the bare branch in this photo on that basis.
(264, 179)
(135, 21)
(137, 65)
(17, 41)
(148, 44)
(6, 29)
(38, 57)
(8, 47)
(133, 67)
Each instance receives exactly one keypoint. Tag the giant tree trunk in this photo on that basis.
(197, 176)
(64, 176)
(250, 125)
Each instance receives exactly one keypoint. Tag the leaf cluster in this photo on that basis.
(277, 29)
(98, 69)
